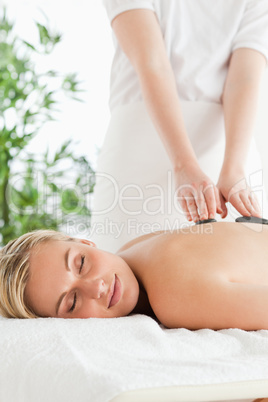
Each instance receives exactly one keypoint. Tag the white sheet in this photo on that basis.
(98, 359)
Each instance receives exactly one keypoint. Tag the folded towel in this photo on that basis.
(57, 360)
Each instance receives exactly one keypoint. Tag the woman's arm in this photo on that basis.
(140, 37)
(240, 101)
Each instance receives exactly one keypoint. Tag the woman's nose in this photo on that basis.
(97, 288)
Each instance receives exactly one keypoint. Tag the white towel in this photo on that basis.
(48, 359)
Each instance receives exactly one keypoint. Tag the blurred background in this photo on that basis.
(85, 48)
(55, 59)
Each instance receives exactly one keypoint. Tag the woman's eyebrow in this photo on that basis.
(66, 258)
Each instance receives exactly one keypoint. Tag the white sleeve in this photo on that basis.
(116, 7)
(253, 29)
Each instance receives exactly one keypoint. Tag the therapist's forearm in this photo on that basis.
(240, 103)
(161, 98)
(140, 37)
(240, 106)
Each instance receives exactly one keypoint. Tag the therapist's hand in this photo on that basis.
(199, 198)
(233, 188)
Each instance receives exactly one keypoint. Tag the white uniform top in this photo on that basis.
(199, 36)
(134, 192)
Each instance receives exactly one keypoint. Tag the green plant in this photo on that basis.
(45, 190)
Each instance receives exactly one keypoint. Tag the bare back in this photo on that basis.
(208, 276)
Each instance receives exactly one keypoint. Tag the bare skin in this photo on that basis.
(206, 276)
(74, 279)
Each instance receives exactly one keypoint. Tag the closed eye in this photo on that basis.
(82, 263)
(74, 303)
(80, 270)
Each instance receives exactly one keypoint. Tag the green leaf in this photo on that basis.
(29, 45)
(32, 183)
(44, 36)
(47, 39)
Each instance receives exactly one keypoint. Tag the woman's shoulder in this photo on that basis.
(139, 239)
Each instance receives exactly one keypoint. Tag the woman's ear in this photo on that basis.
(88, 242)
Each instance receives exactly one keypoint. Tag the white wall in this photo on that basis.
(86, 48)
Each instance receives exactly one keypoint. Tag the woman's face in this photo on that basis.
(74, 279)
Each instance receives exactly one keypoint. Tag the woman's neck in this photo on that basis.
(143, 305)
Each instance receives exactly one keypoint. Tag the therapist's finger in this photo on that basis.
(209, 195)
(254, 202)
(219, 209)
(250, 205)
(223, 206)
(182, 193)
(201, 205)
(185, 208)
(191, 205)
(244, 197)
(238, 201)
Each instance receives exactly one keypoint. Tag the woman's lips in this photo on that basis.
(116, 292)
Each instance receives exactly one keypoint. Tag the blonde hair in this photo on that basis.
(14, 271)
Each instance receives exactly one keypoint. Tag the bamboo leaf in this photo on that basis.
(29, 45)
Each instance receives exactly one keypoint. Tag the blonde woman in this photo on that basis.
(212, 275)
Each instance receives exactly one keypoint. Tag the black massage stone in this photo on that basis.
(205, 221)
(252, 219)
